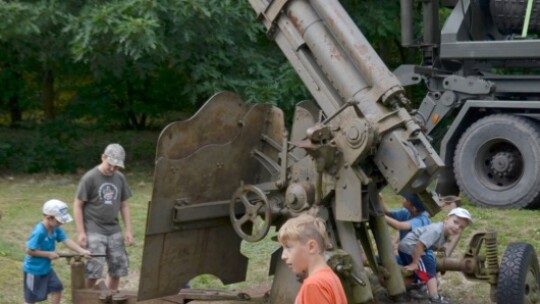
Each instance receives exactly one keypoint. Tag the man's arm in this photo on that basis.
(418, 251)
(124, 209)
(79, 223)
(399, 225)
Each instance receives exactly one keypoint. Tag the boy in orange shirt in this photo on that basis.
(304, 241)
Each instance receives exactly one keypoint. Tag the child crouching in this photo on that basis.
(413, 248)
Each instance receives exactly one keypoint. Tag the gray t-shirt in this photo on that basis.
(432, 236)
(102, 196)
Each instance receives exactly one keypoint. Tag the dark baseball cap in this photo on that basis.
(415, 200)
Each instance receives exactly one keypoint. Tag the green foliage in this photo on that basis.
(130, 63)
(58, 148)
(124, 27)
(49, 151)
(46, 150)
(19, 19)
(211, 46)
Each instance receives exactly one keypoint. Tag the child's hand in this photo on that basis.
(52, 255)
(87, 254)
(411, 267)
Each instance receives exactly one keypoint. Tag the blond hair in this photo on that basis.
(303, 228)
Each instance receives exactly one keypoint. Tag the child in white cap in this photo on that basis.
(414, 247)
(40, 280)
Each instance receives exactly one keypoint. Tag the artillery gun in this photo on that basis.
(233, 170)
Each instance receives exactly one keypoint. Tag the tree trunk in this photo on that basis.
(15, 111)
(48, 94)
(134, 120)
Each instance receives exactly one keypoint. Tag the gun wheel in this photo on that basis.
(250, 213)
(519, 275)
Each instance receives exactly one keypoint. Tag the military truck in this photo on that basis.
(482, 106)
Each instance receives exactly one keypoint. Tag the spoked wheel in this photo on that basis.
(250, 213)
(519, 276)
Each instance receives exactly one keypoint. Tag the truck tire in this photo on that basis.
(509, 16)
(519, 275)
(496, 162)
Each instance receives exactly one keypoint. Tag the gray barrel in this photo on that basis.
(509, 15)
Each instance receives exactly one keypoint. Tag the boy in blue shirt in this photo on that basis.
(413, 215)
(39, 277)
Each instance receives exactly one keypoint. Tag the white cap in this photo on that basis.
(58, 209)
(462, 213)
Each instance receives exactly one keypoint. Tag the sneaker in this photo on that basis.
(419, 293)
(439, 299)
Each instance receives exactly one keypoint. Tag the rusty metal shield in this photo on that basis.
(200, 163)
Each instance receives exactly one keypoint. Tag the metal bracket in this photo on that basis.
(468, 85)
(274, 8)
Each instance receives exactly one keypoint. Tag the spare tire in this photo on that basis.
(509, 15)
(496, 162)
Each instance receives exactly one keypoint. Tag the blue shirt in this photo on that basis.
(41, 240)
(403, 215)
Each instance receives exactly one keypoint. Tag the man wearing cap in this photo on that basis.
(40, 280)
(103, 192)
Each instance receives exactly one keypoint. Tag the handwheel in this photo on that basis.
(250, 213)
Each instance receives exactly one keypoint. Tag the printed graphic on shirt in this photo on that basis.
(108, 193)
(50, 237)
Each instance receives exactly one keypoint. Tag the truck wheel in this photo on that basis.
(496, 162)
(519, 275)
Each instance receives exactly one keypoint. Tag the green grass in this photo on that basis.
(21, 199)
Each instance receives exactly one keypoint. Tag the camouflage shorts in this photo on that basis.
(117, 259)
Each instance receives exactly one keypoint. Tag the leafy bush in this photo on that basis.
(58, 147)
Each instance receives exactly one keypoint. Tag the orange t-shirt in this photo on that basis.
(321, 287)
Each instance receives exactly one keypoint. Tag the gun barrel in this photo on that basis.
(338, 65)
(381, 81)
